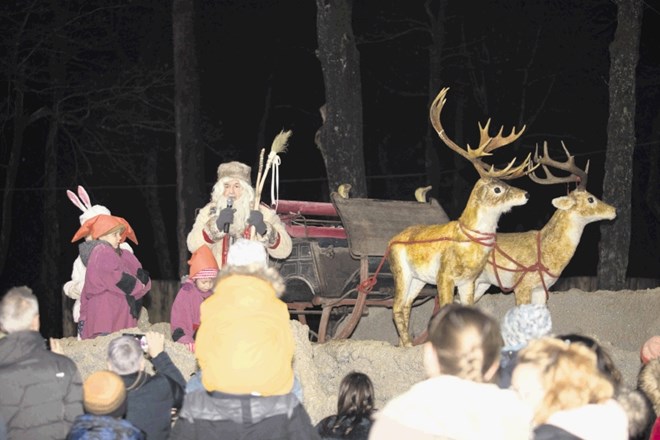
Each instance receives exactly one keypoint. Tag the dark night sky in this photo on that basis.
(553, 52)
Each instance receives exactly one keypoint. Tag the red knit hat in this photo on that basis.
(203, 264)
(102, 224)
(650, 350)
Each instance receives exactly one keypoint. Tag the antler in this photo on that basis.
(487, 144)
(576, 174)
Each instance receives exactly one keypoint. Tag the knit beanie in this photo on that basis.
(525, 322)
(234, 170)
(244, 252)
(650, 350)
(104, 394)
(203, 264)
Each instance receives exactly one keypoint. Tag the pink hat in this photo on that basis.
(650, 350)
(203, 264)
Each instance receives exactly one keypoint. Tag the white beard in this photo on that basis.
(243, 206)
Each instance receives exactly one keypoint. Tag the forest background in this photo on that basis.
(140, 101)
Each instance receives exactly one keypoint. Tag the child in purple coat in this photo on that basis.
(184, 318)
(114, 281)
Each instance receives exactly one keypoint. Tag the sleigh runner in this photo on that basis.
(336, 269)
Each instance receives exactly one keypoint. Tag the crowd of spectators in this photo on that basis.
(560, 386)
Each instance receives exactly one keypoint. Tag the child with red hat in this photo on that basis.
(114, 282)
(184, 317)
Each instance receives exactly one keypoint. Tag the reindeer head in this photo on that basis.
(490, 193)
(579, 203)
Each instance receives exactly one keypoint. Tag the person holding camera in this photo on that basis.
(231, 214)
(151, 398)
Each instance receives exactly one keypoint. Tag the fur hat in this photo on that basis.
(203, 264)
(525, 322)
(104, 394)
(650, 349)
(102, 224)
(244, 252)
(235, 170)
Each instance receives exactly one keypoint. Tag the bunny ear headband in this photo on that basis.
(85, 205)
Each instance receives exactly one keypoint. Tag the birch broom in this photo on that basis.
(278, 146)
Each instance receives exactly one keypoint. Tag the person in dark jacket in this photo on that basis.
(40, 391)
(355, 406)
(105, 407)
(151, 398)
(247, 378)
(215, 415)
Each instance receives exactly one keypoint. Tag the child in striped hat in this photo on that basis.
(184, 317)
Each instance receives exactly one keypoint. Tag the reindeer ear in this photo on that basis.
(84, 197)
(563, 202)
(75, 200)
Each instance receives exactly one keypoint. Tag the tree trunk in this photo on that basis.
(156, 215)
(434, 159)
(340, 137)
(189, 148)
(615, 236)
(49, 288)
(10, 176)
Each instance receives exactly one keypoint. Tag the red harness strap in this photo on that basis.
(482, 238)
(538, 266)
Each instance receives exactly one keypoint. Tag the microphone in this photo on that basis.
(230, 203)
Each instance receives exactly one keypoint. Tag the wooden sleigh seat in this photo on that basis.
(338, 246)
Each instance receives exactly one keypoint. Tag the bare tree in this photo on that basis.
(189, 147)
(340, 138)
(624, 55)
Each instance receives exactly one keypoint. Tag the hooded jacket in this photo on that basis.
(207, 416)
(40, 391)
(450, 407)
(244, 343)
(114, 282)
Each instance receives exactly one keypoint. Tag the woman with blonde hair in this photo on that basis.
(571, 398)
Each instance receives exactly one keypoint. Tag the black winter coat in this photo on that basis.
(151, 398)
(40, 391)
(229, 417)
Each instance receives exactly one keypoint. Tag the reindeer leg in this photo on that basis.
(466, 293)
(402, 306)
(445, 288)
(480, 288)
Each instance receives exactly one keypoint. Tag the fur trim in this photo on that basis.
(638, 409)
(648, 381)
(268, 274)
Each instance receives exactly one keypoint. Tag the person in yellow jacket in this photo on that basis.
(244, 342)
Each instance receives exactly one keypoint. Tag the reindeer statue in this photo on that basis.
(529, 263)
(454, 254)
